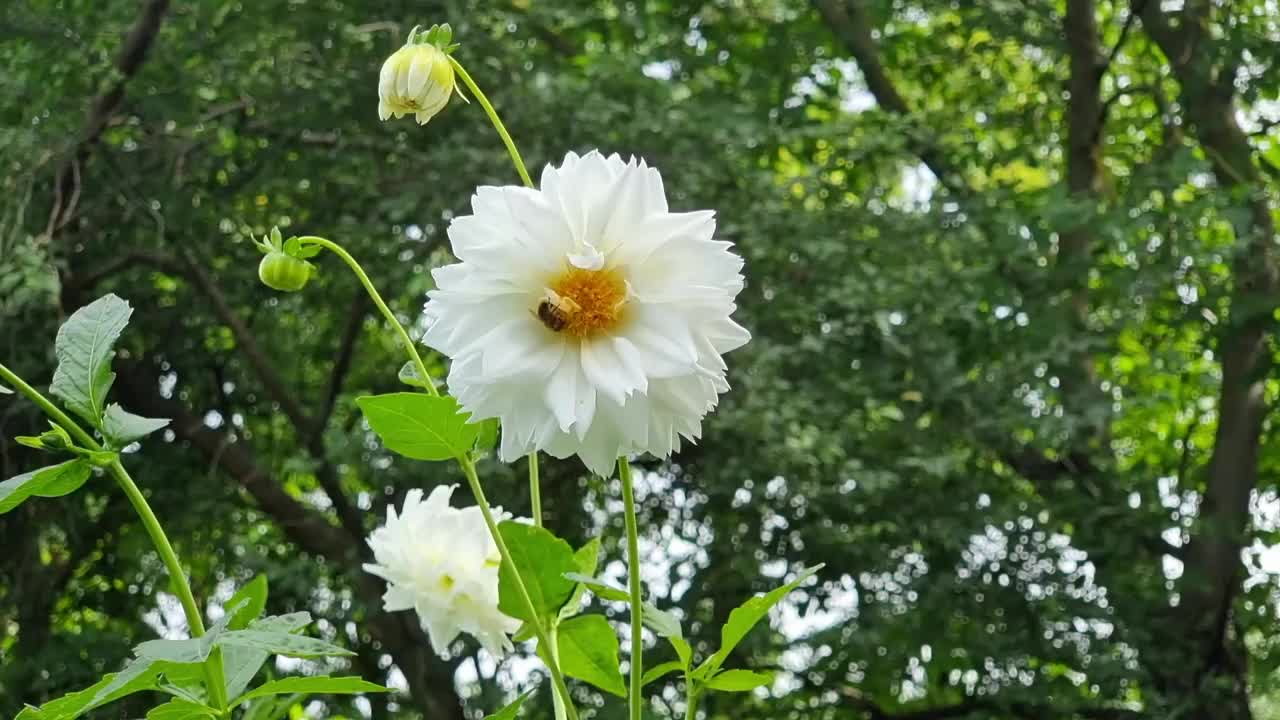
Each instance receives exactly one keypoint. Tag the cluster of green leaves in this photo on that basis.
(243, 637)
(82, 380)
(247, 640)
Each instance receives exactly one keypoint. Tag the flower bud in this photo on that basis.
(280, 272)
(285, 267)
(417, 79)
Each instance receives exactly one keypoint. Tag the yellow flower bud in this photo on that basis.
(417, 79)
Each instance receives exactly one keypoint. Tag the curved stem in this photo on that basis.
(633, 578)
(213, 668)
(535, 489)
(493, 117)
(405, 340)
(468, 466)
(557, 678)
(181, 587)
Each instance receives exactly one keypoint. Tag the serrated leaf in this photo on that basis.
(511, 711)
(123, 427)
(589, 651)
(542, 559)
(53, 481)
(315, 685)
(744, 617)
(181, 710)
(599, 587)
(420, 426)
(738, 680)
(241, 664)
(137, 676)
(279, 643)
(659, 671)
(84, 350)
(586, 558)
(187, 650)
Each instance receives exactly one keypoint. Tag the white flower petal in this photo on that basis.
(435, 559)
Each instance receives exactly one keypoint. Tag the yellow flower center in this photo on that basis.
(447, 582)
(590, 301)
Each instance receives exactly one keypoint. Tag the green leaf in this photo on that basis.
(271, 708)
(83, 348)
(280, 643)
(137, 676)
(123, 427)
(589, 651)
(317, 685)
(241, 664)
(599, 587)
(191, 650)
(420, 426)
(488, 437)
(683, 650)
(744, 618)
(510, 711)
(52, 481)
(181, 710)
(188, 650)
(249, 602)
(542, 559)
(662, 670)
(739, 680)
(409, 375)
(586, 558)
(54, 439)
(660, 621)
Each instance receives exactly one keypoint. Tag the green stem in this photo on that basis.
(405, 340)
(691, 704)
(557, 678)
(557, 703)
(468, 466)
(633, 578)
(493, 117)
(535, 490)
(213, 667)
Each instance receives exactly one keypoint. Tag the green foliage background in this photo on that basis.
(986, 387)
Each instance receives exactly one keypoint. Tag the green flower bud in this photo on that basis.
(417, 79)
(54, 439)
(280, 272)
(285, 267)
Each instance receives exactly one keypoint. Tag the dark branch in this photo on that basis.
(132, 54)
(851, 25)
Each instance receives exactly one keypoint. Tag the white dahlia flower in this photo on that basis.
(585, 315)
(441, 561)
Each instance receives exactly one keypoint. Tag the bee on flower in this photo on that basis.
(585, 314)
(418, 78)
